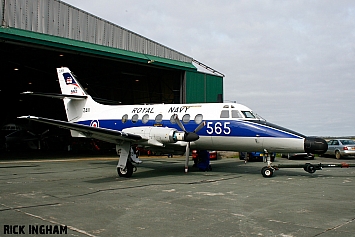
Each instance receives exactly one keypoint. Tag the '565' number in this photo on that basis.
(218, 128)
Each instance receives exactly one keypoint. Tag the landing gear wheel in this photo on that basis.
(267, 172)
(310, 169)
(126, 172)
(337, 155)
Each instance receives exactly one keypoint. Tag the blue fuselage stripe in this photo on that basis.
(235, 128)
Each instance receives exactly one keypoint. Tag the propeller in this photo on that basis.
(189, 137)
(39, 137)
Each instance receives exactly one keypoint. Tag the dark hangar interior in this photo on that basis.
(31, 68)
(115, 65)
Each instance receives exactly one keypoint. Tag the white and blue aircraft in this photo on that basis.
(203, 126)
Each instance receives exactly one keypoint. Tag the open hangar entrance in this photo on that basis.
(112, 63)
(27, 67)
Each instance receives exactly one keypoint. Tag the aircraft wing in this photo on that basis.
(104, 134)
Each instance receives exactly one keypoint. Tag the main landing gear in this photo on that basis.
(128, 156)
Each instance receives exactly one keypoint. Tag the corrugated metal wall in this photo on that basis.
(203, 88)
(57, 18)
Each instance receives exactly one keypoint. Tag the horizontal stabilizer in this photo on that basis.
(56, 96)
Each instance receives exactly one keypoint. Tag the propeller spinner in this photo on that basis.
(189, 137)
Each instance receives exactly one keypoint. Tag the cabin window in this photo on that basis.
(198, 118)
(236, 114)
(145, 118)
(186, 118)
(159, 118)
(135, 118)
(224, 114)
(124, 118)
(248, 114)
(172, 119)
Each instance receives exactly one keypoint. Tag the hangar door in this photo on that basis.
(203, 88)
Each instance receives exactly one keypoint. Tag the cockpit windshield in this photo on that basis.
(250, 114)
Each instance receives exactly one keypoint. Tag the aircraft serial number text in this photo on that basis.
(218, 128)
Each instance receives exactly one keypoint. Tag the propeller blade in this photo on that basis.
(177, 120)
(200, 126)
(31, 133)
(44, 132)
(187, 157)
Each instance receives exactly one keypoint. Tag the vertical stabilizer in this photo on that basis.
(70, 86)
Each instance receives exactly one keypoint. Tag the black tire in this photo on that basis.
(310, 168)
(267, 172)
(126, 172)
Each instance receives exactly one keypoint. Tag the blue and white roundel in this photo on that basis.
(95, 123)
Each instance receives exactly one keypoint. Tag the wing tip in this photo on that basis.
(27, 117)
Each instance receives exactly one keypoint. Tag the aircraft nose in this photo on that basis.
(315, 145)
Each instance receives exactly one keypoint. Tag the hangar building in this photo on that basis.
(111, 62)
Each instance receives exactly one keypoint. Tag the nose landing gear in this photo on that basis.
(267, 172)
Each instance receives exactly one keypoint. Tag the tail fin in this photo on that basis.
(74, 106)
(68, 84)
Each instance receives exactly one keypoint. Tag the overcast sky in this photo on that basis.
(292, 62)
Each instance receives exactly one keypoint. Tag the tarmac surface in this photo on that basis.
(85, 194)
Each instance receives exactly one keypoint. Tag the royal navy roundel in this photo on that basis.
(94, 123)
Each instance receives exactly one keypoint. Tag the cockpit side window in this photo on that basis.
(236, 114)
(224, 114)
(248, 114)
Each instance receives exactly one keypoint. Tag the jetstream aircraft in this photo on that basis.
(204, 126)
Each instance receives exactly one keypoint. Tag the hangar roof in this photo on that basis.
(85, 47)
(54, 21)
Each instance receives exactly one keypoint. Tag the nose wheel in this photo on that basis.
(267, 172)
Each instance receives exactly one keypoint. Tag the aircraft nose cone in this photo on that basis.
(315, 145)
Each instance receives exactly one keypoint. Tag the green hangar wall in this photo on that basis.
(203, 87)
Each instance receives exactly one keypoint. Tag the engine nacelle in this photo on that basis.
(160, 134)
(179, 136)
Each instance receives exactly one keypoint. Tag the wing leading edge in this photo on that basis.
(104, 134)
